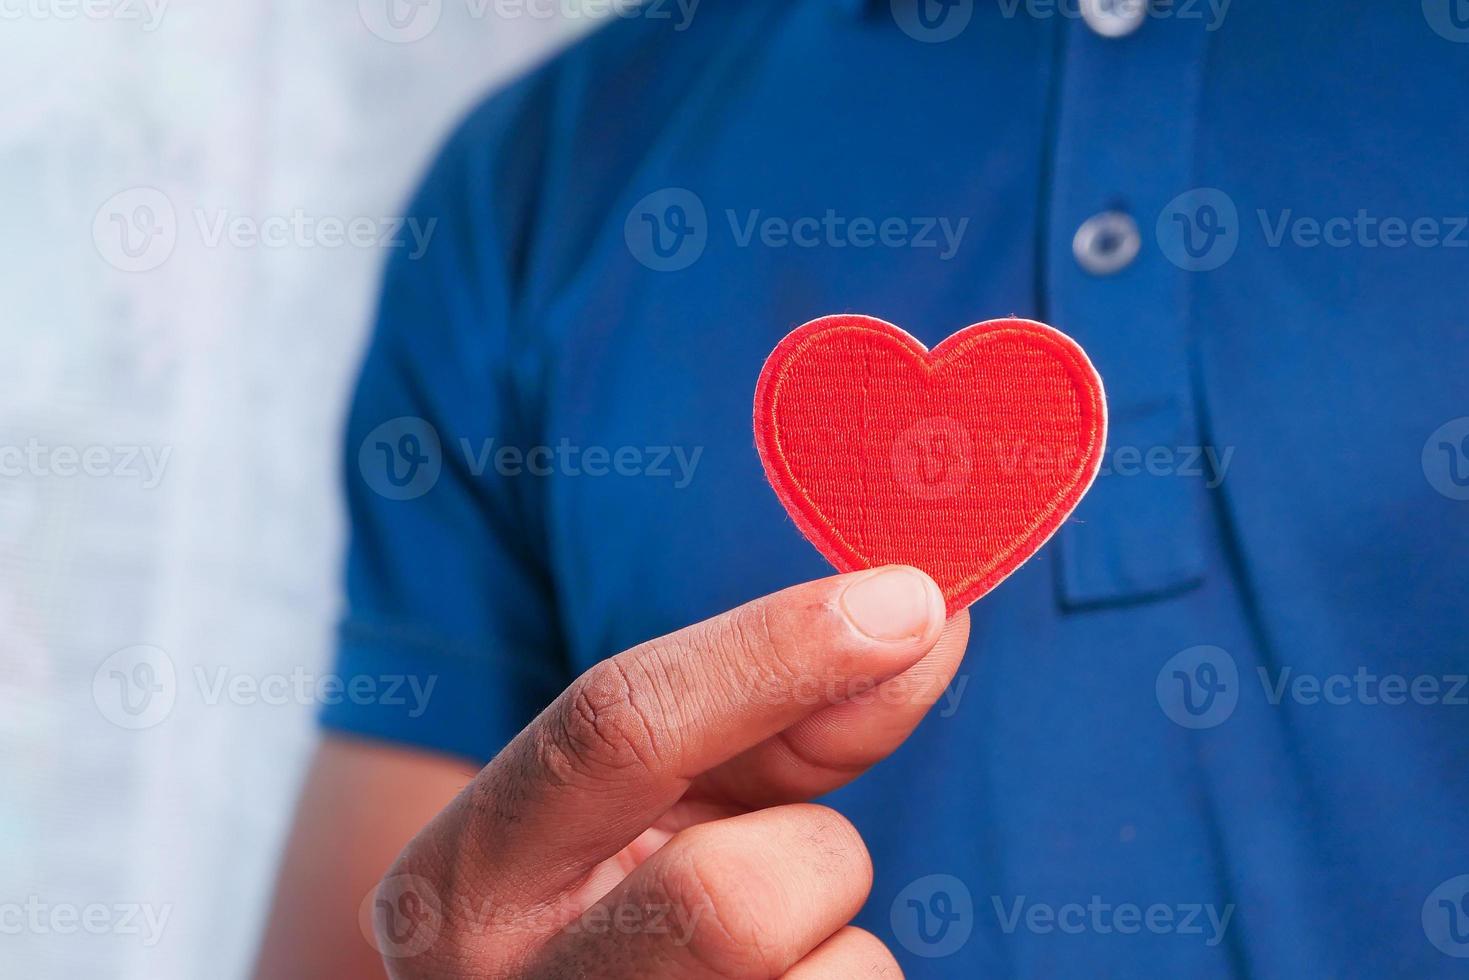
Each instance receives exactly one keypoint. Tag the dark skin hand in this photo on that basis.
(652, 821)
(669, 780)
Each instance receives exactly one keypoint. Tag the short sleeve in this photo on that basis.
(450, 631)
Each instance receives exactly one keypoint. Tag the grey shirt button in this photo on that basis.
(1106, 243)
(1114, 18)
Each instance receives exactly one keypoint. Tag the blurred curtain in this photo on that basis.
(169, 415)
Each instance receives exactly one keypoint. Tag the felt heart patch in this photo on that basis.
(961, 461)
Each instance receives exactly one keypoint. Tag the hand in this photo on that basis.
(649, 822)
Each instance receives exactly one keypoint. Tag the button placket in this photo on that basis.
(1124, 143)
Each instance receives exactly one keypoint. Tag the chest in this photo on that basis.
(1289, 390)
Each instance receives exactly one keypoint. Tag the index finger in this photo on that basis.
(620, 746)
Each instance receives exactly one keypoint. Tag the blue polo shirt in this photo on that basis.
(1219, 725)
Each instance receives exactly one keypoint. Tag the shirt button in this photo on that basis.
(1114, 18)
(1106, 243)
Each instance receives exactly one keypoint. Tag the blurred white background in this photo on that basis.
(170, 524)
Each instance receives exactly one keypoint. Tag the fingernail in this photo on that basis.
(891, 605)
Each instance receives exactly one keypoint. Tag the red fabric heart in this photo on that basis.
(961, 461)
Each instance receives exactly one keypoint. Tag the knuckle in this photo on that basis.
(732, 936)
(764, 640)
(600, 728)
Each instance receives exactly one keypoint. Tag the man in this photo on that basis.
(1215, 728)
